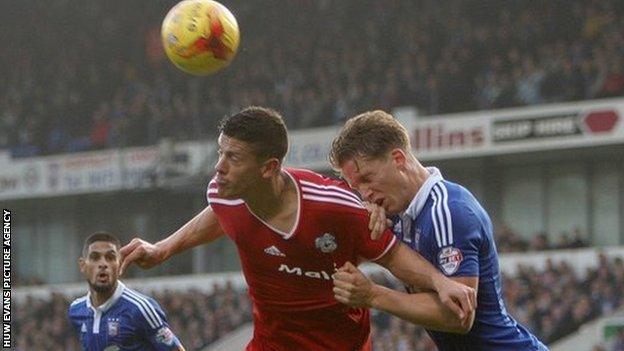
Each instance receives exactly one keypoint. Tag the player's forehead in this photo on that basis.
(348, 169)
(230, 144)
(102, 247)
(356, 167)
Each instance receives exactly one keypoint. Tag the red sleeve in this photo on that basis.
(376, 249)
(365, 247)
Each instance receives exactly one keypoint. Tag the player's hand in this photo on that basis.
(352, 287)
(458, 297)
(377, 222)
(144, 254)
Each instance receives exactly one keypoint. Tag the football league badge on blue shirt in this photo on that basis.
(449, 259)
(165, 336)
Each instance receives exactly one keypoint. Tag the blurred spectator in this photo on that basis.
(553, 303)
(508, 241)
(618, 342)
(94, 76)
(18, 281)
(613, 84)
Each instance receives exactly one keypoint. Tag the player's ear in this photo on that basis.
(81, 264)
(270, 167)
(398, 157)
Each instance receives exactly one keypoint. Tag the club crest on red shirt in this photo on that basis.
(326, 243)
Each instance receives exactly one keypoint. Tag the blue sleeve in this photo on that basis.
(73, 317)
(72, 320)
(459, 234)
(156, 330)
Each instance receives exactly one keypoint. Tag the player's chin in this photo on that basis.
(228, 193)
(103, 287)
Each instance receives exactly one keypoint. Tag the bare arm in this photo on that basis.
(203, 228)
(423, 308)
(403, 262)
(413, 269)
(410, 267)
(351, 287)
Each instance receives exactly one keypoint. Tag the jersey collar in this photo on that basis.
(285, 235)
(111, 301)
(418, 202)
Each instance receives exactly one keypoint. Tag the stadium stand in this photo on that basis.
(506, 241)
(93, 76)
(198, 318)
(442, 57)
(553, 303)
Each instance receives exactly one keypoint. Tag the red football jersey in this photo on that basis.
(289, 274)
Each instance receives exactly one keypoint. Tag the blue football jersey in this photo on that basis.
(447, 225)
(127, 321)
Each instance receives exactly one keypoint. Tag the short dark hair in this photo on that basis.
(100, 236)
(371, 134)
(262, 127)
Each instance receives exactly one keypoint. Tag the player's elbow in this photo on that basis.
(463, 326)
(456, 325)
(457, 328)
(463, 329)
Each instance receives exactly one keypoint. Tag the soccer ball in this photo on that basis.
(200, 36)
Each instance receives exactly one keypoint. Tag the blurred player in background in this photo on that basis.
(293, 228)
(112, 316)
(439, 219)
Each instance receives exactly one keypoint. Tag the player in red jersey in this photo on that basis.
(293, 228)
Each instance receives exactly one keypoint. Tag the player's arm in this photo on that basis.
(408, 265)
(459, 261)
(153, 325)
(71, 319)
(203, 228)
(414, 270)
(163, 339)
(407, 268)
(424, 308)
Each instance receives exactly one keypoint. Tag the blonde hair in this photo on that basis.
(371, 134)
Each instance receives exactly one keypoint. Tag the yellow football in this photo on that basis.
(200, 36)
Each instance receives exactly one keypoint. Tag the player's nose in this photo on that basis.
(102, 264)
(220, 166)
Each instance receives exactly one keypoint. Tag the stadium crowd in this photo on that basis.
(506, 241)
(617, 344)
(552, 303)
(509, 241)
(93, 75)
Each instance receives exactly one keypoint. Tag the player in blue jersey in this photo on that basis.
(439, 219)
(112, 316)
